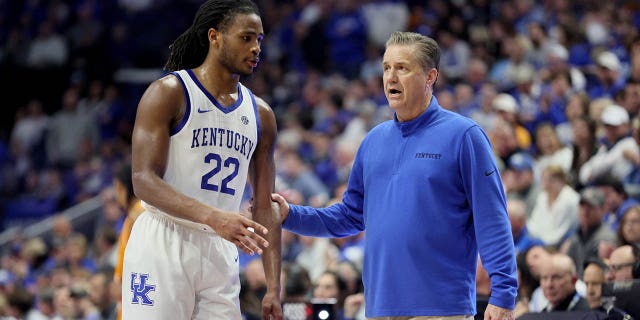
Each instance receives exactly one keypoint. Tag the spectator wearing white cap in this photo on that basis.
(610, 157)
(608, 80)
(557, 60)
(507, 109)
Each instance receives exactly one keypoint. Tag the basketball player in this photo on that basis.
(199, 135)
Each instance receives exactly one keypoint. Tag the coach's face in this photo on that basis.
(407, 85)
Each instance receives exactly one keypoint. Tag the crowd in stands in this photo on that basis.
(554, 83)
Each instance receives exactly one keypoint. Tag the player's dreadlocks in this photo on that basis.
(190, 49)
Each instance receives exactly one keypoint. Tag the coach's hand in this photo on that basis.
(271, 307)
(239, 230)
(496, 313)
(284, 206)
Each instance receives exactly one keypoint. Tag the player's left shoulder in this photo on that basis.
(262, 105)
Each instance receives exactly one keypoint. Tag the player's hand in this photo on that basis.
(496, 313)
(284, 206)
(271, 307)
(240, 231)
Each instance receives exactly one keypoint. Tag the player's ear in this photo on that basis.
(214, 36)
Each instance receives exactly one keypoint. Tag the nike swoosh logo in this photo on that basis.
(204, 111)
(235, 259)
(488, 173)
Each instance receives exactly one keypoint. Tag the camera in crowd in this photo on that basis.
(315, 309)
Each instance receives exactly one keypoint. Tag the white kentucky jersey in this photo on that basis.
(210, 149)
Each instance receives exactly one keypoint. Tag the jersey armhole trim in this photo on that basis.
(255, 110)
(187, 111)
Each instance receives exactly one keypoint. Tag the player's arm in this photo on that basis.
(262, 176)
(162, 106)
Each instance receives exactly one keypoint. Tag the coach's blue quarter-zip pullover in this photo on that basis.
(429, 194)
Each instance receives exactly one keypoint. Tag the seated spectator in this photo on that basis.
(584, 145)
(558, 281)
(608, 79)
(617, 201)
(331, 286)
(550, 149)
(610, 156)
(629, 228)
(296, 283)
(583, 245)
(519, 180)
(506, 108)
(593, 277)
(622, 262)
(555, 216)
(517, 210)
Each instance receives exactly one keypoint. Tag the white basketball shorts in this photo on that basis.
(172, 271)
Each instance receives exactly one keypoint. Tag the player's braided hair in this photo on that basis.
(190, 49)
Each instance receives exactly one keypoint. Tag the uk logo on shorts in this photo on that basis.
(140, 289)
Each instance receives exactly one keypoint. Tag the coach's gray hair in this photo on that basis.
(428, 51)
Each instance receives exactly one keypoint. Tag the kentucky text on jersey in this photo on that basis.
(218, 137)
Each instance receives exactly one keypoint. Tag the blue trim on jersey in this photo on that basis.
(187, 112)
(213, 100)
(255, 109)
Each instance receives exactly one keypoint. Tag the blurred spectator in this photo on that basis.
(621, 263)
(507, 109)
(608, 76)
(630, 100)
(44, 309)
(20, 303)
(317, 255)
(296, 283)
(384, 17)
(594, 271)
(593, 278)
(534, 259)
(584, 244)
(550, 150)
(629, 228)
(454, 56)
(71, 135)
(28, 131)
(517, 210)
(99, 293)
(347, 34)
(610, 157)
(555, 215)
(297, 175)
(584, 146)
(485, 115)
(256, 281)
(330, 285)
(519, 180)
(616, 202)
(250, 305)
(48, 49)
(558, 281)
